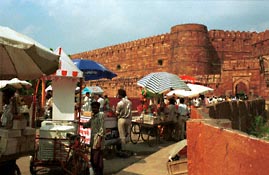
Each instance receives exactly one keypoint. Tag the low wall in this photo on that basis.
(241, 113)
(214, 148)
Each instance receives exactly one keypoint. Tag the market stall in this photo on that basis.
(18, 52)
(63, 84)
(93, 71)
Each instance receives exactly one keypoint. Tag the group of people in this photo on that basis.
(89, 98)
(96, 123)
(178, 114)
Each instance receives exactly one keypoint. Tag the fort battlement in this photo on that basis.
(188, 49)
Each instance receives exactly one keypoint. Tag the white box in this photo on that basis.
(29, 131)
(19, 124)
(111, 122)
(8, 133)
(9, 146)
(56, 129)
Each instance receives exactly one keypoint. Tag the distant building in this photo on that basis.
(231, 62)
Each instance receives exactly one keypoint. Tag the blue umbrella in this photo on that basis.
(93, 90)
(93, 70)
(85, 90)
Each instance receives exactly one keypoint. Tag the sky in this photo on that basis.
(84, 25)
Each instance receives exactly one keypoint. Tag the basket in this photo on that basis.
(178, 167)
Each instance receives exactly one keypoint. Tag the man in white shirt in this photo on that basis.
(100, 99)
(183, 112)
(124, 114)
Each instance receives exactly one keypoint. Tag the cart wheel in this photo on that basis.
(78, 164)
(144, 134)
(152, 137)
(135, 133)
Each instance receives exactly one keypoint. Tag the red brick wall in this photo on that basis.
(220, 59)
(212, 150)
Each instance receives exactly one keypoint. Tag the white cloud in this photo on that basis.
(82, 25)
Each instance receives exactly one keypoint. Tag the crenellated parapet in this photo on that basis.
(218, 57)
(124, 47)
(215, 34)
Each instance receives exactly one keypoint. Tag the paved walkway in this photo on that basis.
(145, 161)
(155, 163)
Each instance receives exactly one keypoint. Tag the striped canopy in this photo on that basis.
(159, 82)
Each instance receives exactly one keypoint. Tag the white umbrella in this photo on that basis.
(15, 82)
(24, 58)
(160, 82)
(196, 90)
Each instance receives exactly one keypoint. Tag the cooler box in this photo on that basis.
(50, 149)
(56, 129)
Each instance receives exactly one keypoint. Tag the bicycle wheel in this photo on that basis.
(144, 133)
(152, 138)
(135, 133)
(77, 165)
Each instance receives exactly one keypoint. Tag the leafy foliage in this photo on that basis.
(260, 128)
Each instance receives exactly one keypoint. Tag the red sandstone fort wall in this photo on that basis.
(220, 59)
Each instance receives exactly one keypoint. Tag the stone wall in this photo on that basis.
(214, 148)
(241, 113)
(219, 59)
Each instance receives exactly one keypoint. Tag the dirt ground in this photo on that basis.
(113, 163)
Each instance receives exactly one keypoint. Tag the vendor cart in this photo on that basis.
(148, 128)
(69, 155)
(112, 138)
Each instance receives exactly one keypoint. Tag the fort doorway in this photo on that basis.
(241, 90)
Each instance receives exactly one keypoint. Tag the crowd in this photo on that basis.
(174, 109)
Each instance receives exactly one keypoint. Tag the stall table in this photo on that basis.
(147, 130)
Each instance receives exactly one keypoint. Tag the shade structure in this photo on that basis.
(67, 67)
(188, 79)
(93, 90)
(24, 58)
(93, 70)
(159, 82)
(15, 82)
(196, 90)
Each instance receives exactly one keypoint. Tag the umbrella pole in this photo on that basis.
(34, 103)
(80, 102)
(43, 94)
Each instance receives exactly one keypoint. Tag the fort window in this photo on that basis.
(118, 67)
(160, 62)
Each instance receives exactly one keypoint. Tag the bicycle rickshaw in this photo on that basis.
(69, 154)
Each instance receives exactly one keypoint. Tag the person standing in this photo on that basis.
(97, 142)
(124, 114)
(171, 113)
(87, 102)
(183, 112)
(107, 103)
(99, 98)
